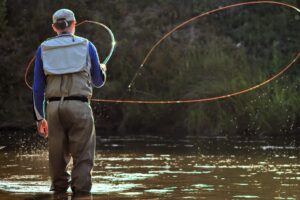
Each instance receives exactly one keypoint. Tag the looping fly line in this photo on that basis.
(293, 61)
(112, 37)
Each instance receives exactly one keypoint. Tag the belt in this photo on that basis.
(70, 98)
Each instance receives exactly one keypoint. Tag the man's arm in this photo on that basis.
(39, 83)
(98, 73)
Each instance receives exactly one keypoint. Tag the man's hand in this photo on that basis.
(103, 67)
(42, 127)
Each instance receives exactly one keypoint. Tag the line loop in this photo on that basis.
(293, 61)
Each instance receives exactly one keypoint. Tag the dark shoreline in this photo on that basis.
(29, 140)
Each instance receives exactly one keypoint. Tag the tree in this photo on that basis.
(2, 15)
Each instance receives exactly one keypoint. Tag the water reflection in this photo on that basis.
(161, 191)
(163, 171)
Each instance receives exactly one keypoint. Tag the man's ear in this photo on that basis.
(54, 28)
(73, 24)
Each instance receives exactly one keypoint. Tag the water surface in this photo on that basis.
(159, 168)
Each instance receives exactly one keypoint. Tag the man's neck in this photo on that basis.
(64, 33)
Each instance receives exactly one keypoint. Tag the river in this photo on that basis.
(148, 167)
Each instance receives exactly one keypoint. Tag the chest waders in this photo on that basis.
(66, 63)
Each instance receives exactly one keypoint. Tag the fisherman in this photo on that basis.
(66, 69)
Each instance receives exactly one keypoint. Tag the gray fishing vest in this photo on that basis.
(66, 64)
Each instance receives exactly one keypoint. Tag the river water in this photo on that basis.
(148, 167)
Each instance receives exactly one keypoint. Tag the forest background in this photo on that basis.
(218, 54)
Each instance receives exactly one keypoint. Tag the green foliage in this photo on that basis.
(219, 54)
(2, 15)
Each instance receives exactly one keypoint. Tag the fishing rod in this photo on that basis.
(288, 66)
(112, 37)
(198, 17)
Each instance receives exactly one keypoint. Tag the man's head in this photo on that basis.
(64, 21)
